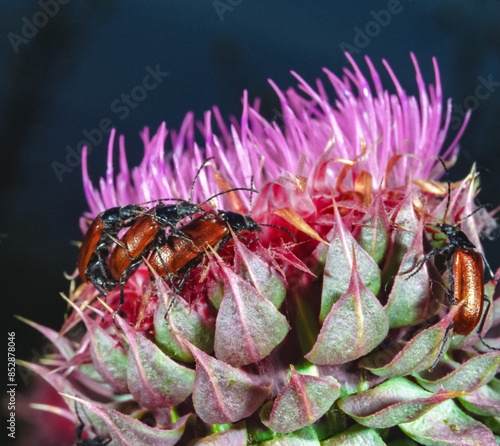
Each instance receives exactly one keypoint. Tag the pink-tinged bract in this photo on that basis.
(309, 327)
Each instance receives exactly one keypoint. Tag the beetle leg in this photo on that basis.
(99, 285)
(441, 348)
(101, 290)
(488, 267)
(178, 233)
(184, 277)
(122, 301)
(178, 289)
(481, 324)
(418, 266)
(121, 245)
(181, 283)
(247, 239)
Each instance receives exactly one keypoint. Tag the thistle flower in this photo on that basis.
(324, 339)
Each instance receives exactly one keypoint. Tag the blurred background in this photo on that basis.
(67, 68)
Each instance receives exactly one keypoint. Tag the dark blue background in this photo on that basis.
(64, 79)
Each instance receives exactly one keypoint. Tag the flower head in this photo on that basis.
(324, 313)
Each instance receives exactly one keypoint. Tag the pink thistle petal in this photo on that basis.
(387, 124)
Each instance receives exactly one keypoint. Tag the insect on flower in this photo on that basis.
(467, 276)
(97, 244)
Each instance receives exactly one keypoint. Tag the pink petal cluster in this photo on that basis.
(364, 125)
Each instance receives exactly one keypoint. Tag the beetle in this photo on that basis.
(178, 253)
(149, 230)
(211, 229)
(97, 244)
(467, 275)
(467, 268)
(138, 241)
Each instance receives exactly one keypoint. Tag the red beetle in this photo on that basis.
(97, 243)
(467, 276)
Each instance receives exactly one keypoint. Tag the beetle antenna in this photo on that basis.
(196, 177)
(488, 267)
(280, 227)
(482, 206)
(251, 196)
(226, 191)
(190, 192)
